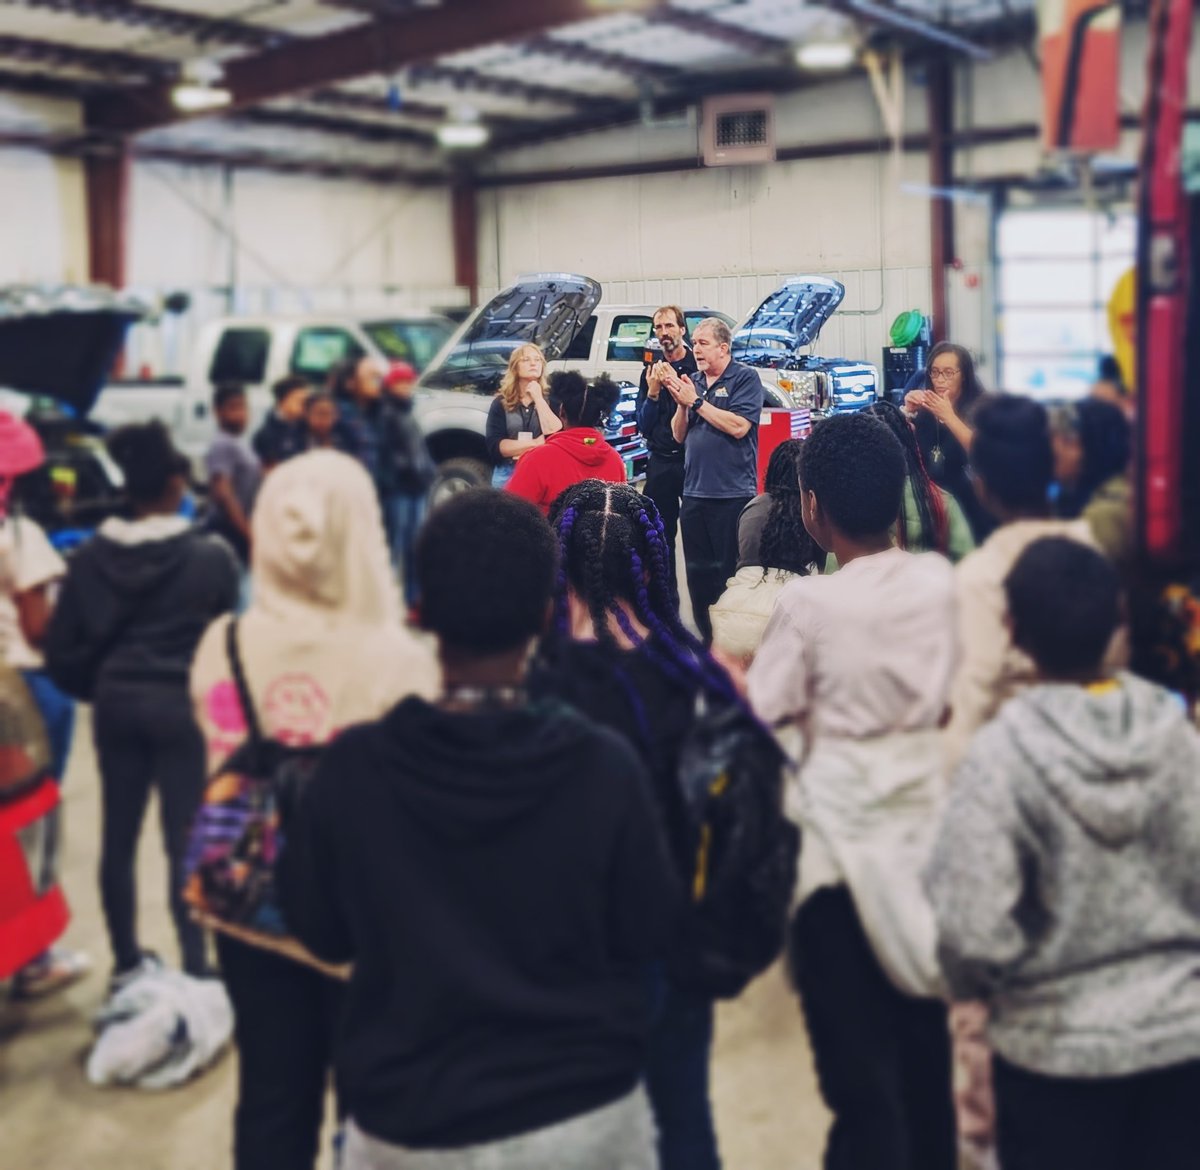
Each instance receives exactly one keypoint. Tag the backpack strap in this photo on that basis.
(239, 679)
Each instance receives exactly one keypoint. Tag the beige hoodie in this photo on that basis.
(322, 643)
(992, 669)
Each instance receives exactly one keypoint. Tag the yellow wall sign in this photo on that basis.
(1122, 325)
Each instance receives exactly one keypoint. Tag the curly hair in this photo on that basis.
(855, 467)
(482, 535)
(613, 556)
(580, 404)
(510, 385)
(931, 506)
(1064, 600)
(785, 543)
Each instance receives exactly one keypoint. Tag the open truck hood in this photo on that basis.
(546, 309)
(62, 342)
(791, 317)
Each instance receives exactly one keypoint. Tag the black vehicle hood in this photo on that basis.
(62, 343)
(547, 309)
(793, 314)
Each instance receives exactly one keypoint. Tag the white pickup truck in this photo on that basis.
(257, 352)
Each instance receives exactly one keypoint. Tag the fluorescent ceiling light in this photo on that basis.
(462, 135)
(193, 98)
(826, 56)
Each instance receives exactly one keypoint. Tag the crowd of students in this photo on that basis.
(490, 882)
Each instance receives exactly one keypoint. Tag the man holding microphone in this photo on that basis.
(717, 417)
(655, 410)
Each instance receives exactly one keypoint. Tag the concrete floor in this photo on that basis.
(768, 1110)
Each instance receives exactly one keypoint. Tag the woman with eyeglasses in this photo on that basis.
(940, 407)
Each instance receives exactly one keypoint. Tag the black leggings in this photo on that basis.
(882, 1057)
(1147, 1119)
(147, 739)
(285, 1019)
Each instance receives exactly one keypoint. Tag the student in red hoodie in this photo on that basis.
(578, 451)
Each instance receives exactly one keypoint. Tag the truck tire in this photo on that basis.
(458, 475)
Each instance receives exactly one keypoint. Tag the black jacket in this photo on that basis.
(654, 415)
(132, 611)
(405, 465)
(500, 883)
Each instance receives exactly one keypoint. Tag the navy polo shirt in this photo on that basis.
(716, 465)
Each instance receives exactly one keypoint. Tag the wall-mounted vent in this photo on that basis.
(738, 129)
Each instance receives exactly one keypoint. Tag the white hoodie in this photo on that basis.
(322, 644)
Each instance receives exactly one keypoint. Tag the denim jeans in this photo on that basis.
(58, 718)
(58, 715)
(405, 514)
(677, 1080)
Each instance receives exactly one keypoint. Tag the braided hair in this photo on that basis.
(613, 556)
(785, 543)
(931, 505)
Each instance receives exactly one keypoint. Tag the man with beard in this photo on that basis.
(717, 416)
(655, 410)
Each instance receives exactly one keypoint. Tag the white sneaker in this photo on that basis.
(57, 969)
(122, 979)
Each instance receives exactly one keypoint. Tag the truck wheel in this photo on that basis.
(458, 475)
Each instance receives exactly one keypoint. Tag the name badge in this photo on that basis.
(720, 392)
(525, 437)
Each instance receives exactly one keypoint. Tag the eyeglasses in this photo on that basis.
(944, 375)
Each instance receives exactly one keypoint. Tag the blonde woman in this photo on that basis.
(520, 417)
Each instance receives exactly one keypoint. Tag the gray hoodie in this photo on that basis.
(1066, 880)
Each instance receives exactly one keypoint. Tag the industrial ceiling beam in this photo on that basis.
(56, 54)
(886, 15)
(748, 40)
(377, 46)
(473, 79)
(346, 127)
(168, 21)
(577, 52)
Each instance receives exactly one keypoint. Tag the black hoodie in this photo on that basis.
(136, 600)
(501, 884)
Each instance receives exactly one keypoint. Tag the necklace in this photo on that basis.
(469, 698)
(936, 458)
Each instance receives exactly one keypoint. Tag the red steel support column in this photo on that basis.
(464, 224)
(107, 181)
(941, 179)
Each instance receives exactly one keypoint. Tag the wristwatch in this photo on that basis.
(695, 407)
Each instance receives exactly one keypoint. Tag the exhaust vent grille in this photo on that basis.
(738, 129)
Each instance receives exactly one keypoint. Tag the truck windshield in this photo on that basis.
(415, 342)
(477, 367)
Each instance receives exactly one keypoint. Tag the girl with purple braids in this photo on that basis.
(619, 653)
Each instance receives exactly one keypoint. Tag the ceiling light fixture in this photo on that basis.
(200, 87)
(826, 56)
(464, 132)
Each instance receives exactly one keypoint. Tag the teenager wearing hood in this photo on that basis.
(30, 570)
(1065, 890)
(323, 647)
(577, 452)
(494, 868)
(136, 599)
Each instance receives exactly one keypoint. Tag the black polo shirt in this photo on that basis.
(717, 466)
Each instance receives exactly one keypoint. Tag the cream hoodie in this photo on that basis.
(992, 669)
(322, 644)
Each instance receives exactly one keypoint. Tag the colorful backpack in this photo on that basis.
(731, 773)
(238, 835)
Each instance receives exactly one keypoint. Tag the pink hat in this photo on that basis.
(20, 448)
(400, 372)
